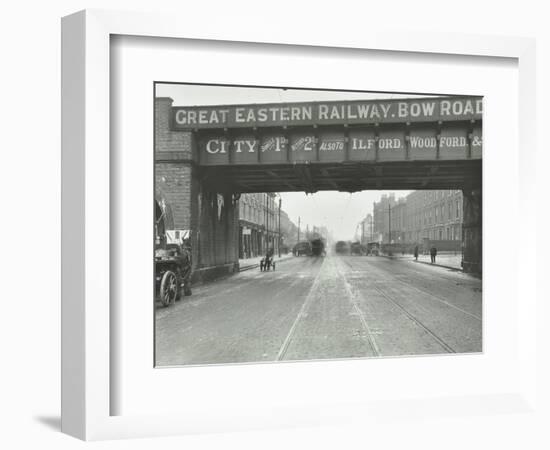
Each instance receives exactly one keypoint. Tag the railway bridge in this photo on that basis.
(206, 156)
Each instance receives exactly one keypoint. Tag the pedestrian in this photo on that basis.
(416, 252)
(433, 253)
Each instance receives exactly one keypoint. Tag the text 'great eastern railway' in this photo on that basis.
(328, 113)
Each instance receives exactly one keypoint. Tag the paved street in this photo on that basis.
(318, 308)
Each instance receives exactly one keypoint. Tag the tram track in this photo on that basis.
(426, 292)
(417, 322)
(414, 319)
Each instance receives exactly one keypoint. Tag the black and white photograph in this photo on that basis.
(300, 224)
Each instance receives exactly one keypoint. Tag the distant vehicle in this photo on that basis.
(302, 248)
(356, 248)
(342, 248)
(373, 248)
(318, 247)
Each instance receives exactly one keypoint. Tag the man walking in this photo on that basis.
(433, 253)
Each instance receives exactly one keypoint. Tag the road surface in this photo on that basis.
(323, 308)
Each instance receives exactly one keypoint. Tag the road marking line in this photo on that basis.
(301, 313)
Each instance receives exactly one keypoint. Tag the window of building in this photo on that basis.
(457, 209)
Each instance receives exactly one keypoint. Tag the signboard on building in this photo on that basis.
(453, 142)
(328, 113)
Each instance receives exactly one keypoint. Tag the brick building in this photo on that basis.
(435, 215)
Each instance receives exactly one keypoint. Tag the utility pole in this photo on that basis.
(389, 223)
(298, 228)
(279, 233)
(266, 249)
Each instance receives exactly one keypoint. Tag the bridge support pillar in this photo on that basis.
(471, 231)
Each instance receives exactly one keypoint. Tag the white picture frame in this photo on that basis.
(87, 317)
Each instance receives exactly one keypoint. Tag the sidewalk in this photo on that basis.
(447, 260)
(251, 263)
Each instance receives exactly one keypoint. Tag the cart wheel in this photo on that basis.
(168, 288)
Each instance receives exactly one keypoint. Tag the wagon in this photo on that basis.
(357, 249)
(302, 248)
(373, 248)
(317, 247)
(267, 262)
(172, 273)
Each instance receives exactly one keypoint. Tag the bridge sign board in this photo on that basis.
(328, 113)
(421, 129)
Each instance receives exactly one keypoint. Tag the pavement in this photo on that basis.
(252, 263)
(446, 260)
(323, 308)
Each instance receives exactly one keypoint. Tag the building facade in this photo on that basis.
(289, 232)
(381, 217)
(435, 215)
(258, 224)
(367, 229)
(428, 214)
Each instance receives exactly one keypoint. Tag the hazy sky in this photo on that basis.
(340, 212)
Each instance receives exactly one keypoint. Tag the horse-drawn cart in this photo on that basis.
(267, 262)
